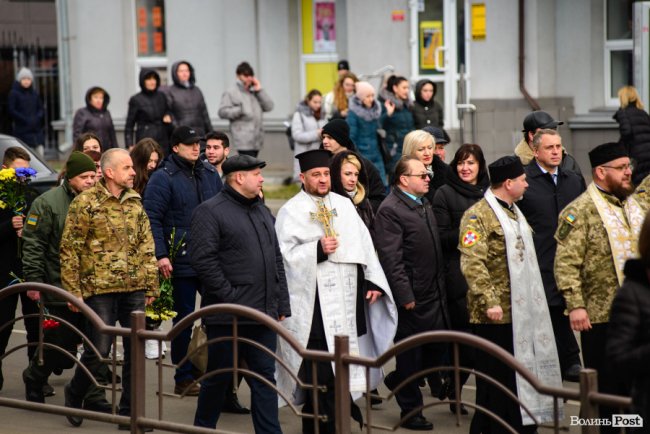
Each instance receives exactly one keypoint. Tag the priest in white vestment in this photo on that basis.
(336, 287)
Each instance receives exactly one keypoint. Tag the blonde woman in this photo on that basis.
(421, 145)
(634, 125)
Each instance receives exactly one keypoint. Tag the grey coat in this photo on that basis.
(244, 111)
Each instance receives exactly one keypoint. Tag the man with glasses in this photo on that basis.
(533, 122)
(550, 189)
(596, 234)
(175, 189)
(506, 301)
(408, 244)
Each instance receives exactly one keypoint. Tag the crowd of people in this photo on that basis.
(520, 252)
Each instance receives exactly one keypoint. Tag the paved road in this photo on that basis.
(14, 421)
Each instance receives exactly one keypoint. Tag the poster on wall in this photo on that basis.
(430, 40)
(324, 27)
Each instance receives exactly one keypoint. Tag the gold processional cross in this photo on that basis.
(324, 215)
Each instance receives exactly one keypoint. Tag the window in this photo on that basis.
(618, 48)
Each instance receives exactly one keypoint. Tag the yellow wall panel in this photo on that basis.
(307, 26)
(321, 76)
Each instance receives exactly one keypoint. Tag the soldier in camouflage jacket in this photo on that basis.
(107, 257)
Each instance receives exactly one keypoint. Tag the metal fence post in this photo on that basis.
(588, 410)
(342, 384)
(138, 375)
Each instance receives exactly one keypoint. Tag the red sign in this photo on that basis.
(398, 15)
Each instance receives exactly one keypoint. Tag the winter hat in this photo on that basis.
(363, 89)
(24, 73)
(77, 164)
(339, 130)
(605, 153)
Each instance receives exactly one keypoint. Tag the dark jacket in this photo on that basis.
(634, 125)
(427, 113)
(628, 336)
(174, 190)
(145, 115)
(438, 177)
(541, 206)
(449, 204)
(408, 245)
(237, 256)
(187, 104)
(399, 124)
(90, 120)
(26, 110)
(9, 259)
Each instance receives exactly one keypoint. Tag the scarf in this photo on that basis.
(532, 332)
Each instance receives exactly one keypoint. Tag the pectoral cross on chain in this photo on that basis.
(324, 215)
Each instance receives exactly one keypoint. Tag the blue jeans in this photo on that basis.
(264, 400)
(185, 289)
(111, 308)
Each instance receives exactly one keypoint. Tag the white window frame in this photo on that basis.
(609, 47)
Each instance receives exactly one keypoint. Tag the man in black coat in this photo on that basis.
(550, 189)
(408, 245)
(336, 138)
(237, 257)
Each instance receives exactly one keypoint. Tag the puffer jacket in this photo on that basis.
(427, 113)
(304, 127)
(174, 190)
(244, 111)
(90, 120)
(364, 123)
(634, 125)
(106, 246)
(26, 111)
(186, 103)
(237, 256)
(145, 115)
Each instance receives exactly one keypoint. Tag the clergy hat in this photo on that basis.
(241, 162)
(339, 130)
(605, 153)
(314, 158)
(508, 167)
(539, 119)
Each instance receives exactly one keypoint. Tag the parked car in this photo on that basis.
(46, 177)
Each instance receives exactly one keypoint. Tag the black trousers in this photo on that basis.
(8, 313)
(489, 396)
(568, 350)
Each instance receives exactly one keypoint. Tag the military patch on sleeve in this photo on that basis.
(564, 229)
(32, 220)
(469, 238)
(570, 218)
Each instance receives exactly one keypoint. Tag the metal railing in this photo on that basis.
(341, 359)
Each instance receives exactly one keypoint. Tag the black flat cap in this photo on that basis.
(508, 167)
(184, 135)
(241, 162)
(605, 153)
(437, 134)
(314, 158)
(540, 119)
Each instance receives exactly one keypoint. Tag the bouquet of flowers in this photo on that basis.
(13, 188)
(163, 307)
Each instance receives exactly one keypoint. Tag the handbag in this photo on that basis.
(198, 350)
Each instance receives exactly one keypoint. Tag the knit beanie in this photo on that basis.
(363, 89)
(24, 73)
(339, 130)
(77, 164)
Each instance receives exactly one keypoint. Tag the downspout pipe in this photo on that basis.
(522, 69)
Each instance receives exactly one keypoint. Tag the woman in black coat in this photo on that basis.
(628, 335)
(634, 125)
(466, 183)
(427, 112)
(95, 118)
(148, 112)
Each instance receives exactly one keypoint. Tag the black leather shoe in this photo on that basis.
(463, 410)
(72, 402)
(390, 380)
(445, 391)
(232, 405)
(102, 406)
(417, 423)
(34, 392)
(572, 373)
(48, 390)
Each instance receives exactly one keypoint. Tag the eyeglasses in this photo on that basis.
(622, 167)
(420, 175)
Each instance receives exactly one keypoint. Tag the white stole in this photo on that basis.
(622, 225)
(534, 340)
